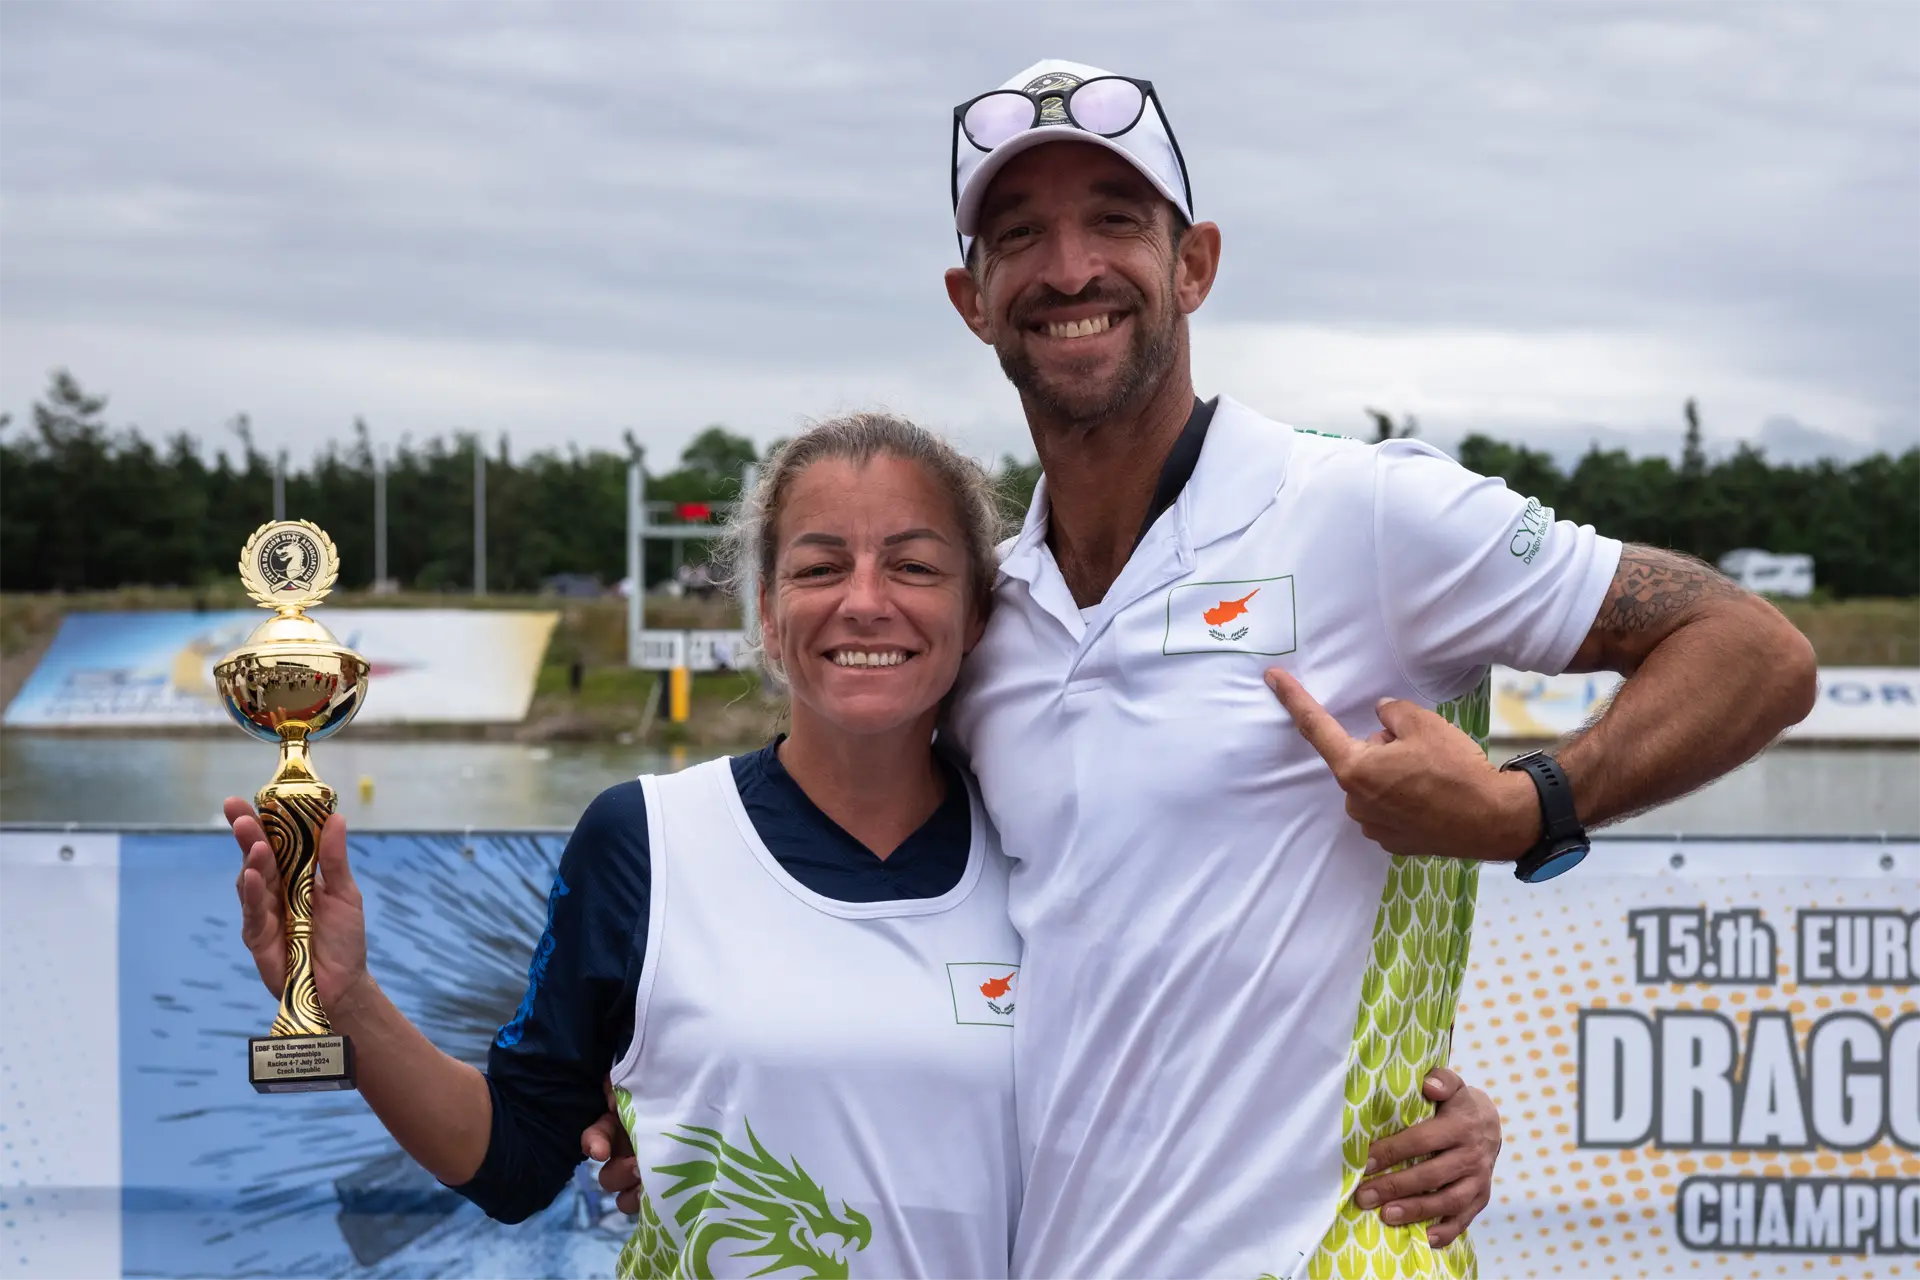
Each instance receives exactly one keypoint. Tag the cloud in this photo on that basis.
(562, 220)
(1518, 385)
(1787, 439)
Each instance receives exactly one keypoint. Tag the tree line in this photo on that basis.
(1860, 521)
(85, 505)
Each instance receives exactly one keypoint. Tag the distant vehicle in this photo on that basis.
(580, 585)
(1788, 574)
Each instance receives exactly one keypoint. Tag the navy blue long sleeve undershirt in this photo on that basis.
(546, 1067)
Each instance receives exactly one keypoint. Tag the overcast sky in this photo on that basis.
(1552, 223)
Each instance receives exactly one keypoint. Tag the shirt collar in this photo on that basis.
(1242, 466)
(1020, 558)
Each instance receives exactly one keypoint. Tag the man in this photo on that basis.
(1198, 891)
(1230, 986)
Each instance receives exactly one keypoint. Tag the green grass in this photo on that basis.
(1859, 633)
(615, 702)
(623, 687)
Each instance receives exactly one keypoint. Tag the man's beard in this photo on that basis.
(1150, 354)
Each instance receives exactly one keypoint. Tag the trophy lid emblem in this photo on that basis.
(289, 565)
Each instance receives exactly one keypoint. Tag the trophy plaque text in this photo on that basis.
(292, 684)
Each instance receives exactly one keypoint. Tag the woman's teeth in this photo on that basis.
(855, 658)
(1079, 328)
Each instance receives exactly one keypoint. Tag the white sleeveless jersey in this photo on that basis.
(815, 1087)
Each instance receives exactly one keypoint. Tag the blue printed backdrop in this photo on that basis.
(220, 1180)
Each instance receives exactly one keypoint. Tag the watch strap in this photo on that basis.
(1558, 819)
(1563, 841)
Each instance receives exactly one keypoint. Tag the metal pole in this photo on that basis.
(280, 486)
(636, 517)
(380, 521)
(479, 517)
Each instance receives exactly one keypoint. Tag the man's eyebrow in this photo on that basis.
(1115, 189)
(909, 535)
(1003, 203)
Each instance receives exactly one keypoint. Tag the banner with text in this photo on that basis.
(1854, 704)
(1707, 1061)
(1706, 1056)
(155, 670)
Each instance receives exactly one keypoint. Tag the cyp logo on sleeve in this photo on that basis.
(1251, 616)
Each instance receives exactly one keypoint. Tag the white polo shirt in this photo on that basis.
(1199, 913)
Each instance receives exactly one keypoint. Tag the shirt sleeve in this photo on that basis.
(1472, 573)
(546, 1066)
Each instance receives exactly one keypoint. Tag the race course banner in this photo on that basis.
(155, 670)
(1854, 704)
(1706, 1055)
(1707, 1061)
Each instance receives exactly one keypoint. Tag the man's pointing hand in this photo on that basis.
(1418, 785)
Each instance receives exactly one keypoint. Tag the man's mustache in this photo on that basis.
(1048, 299)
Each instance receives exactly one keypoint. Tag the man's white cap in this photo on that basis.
(1146, 146)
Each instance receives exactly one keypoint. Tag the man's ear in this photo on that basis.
(964, 292)
(1196, 266)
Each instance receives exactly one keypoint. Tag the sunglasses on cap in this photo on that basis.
(1105, 105)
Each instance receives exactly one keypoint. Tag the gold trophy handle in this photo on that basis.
(292, 814)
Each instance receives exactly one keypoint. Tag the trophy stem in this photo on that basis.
(301, 1043)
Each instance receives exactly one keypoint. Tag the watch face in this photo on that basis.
(1559, 862)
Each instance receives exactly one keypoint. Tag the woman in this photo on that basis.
(798, 961)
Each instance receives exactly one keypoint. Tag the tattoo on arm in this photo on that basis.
(1653, 590)
(1738, 674)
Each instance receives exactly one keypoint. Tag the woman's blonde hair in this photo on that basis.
(752, 534)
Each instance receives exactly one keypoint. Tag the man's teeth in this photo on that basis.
(856, 658)
(1079, 328)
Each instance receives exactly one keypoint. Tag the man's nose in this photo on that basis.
(1072, 259)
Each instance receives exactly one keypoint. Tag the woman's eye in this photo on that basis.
(813, 571)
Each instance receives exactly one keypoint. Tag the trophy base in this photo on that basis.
(300, 1064)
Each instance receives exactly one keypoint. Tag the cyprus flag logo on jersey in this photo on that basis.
(983, 993)
(1251, 616)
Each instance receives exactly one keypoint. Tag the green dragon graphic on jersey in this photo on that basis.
(746, 1197)
(1405, 1028)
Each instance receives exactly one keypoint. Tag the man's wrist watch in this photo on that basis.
(1563, 842)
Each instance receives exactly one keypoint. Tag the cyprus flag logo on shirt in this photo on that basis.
(983, 993)
(1251, 616)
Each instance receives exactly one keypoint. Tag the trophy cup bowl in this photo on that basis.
(292, 684)
(291, 675)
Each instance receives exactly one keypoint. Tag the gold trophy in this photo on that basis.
(292, 683)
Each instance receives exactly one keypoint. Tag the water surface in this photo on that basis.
(1789, 790)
